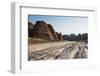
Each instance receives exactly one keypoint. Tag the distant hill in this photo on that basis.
(79, 37)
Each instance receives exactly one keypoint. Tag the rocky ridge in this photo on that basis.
(44, 31)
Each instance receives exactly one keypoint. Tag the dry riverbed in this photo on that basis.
(57, 50)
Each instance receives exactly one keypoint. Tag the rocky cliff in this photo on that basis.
(44, 31)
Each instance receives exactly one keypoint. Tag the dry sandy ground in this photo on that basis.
(42, 46)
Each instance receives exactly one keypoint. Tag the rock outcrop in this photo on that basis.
(30, 29)
(44, 31)
(53, 32)
(74, 50)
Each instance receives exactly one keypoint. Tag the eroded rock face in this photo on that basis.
(60, 37)
(30, 29)
(44, 31)
(53, 32)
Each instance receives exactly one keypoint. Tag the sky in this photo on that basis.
(63, 24)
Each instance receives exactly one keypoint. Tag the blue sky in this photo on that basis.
(63, 24)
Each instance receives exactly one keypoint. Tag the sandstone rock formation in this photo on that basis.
(60, 37)
(53, 32)
(30, 29)
(44, 31)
